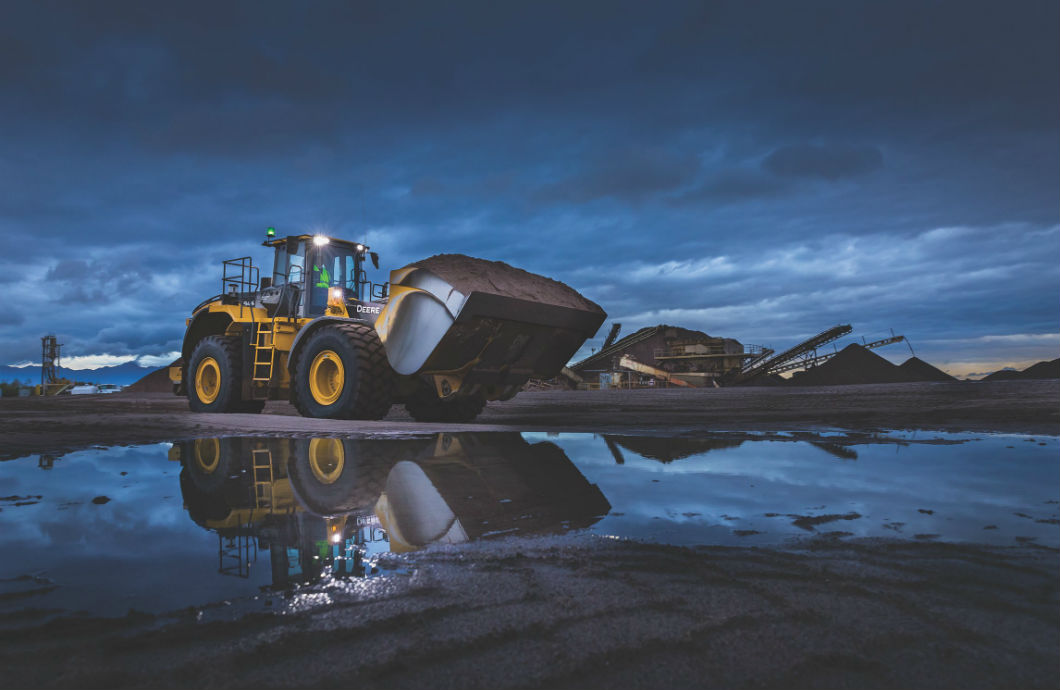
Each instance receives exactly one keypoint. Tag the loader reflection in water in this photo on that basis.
(328, 504)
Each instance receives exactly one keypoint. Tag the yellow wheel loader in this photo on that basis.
(442, 337)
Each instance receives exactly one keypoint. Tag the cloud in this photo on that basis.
(641, 154)
(629, 174)
(831, 163)
(95, 361)
(732, 186)
(960, 281)
(158, 360)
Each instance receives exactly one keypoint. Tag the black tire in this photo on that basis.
(366, 387)
(225, 394)
(348, 477)
(426, 406)
(210, 462)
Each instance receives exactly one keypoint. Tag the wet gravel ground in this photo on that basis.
(581, 610)
(588, 612)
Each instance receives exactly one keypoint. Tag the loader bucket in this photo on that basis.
(495, 325)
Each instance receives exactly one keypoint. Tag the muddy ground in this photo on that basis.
(34, 425)
(570, 613)
(584, 611)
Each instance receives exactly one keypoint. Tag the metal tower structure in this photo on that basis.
(49, 366)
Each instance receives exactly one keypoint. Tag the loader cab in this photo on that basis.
(307, 268)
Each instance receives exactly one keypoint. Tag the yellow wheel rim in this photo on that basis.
(207, 454)
(326, 459)
(326, 377)
(208, 380)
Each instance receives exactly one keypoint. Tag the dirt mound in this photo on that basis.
(1041, 370)
(155, 382)
(468, 274)
(916, 369)
(854, 364)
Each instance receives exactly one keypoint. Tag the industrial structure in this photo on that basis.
(672, 356)
(50, 382)
(665, 355)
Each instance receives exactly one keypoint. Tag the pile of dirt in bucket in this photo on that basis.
(468, 274)
(916, 369)
(1041, 370)
(155, 382)
(854, 364)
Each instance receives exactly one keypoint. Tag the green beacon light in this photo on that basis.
(270, 232)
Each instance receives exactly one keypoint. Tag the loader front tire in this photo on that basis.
(343, 373)
(214, 372)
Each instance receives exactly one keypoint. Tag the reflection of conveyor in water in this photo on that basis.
(328, 503)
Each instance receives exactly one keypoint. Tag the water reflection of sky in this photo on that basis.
(140, 550)
(137, 551)
(984, 481)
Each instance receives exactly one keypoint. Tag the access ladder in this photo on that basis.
(264, 352)
(261, 466)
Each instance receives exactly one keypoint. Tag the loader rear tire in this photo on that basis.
(426, 406)
(343, 373)
(214, 373)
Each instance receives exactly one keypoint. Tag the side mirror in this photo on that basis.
(374, 256)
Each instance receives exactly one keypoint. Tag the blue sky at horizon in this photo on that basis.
(759, 172)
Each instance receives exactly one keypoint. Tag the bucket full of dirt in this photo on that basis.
(496, 324)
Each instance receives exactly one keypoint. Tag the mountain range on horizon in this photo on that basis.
(118, 374)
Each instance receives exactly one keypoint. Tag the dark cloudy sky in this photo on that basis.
(755, 170)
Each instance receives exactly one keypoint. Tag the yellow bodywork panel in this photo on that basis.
(283, 503)
(284, 330)
(281, 338)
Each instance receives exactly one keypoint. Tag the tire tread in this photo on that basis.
(374, 376)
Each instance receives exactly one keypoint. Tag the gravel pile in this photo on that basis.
(916, 369)
(854, 364)
(155, 382)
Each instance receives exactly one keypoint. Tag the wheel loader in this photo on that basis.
(316, 503)
(442, 337)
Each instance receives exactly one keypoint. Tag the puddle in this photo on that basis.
(256, 523)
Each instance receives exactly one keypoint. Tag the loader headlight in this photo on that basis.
(336, 297)
(360, 247)
(320, 240)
